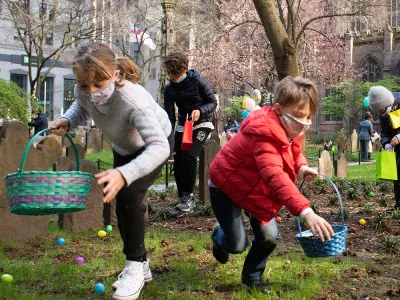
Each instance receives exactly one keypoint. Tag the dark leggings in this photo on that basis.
(130, 209)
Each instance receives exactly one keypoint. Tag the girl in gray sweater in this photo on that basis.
(108, 92)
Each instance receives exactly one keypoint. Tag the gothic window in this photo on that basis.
(372, 70)
(393, 12)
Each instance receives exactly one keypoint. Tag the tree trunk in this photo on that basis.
(284, 50)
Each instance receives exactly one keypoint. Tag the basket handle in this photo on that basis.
(339, 197)
(21, 166)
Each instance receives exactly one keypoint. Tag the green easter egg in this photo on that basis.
(109, 228)
(371, 194)
(7, 278)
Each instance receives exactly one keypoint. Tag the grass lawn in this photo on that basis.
(364, 171)
(183, 268)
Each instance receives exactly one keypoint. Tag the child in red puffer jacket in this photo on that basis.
(256, 172)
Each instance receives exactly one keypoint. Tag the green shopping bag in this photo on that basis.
(386, 167)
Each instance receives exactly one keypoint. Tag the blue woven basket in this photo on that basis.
(315, 247)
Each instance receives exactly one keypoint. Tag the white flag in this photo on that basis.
(140, 37)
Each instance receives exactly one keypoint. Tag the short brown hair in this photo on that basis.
(101, 62)
(297, 90)
(176, 63)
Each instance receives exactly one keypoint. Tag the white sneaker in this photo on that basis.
(131, 282)
(146, 274)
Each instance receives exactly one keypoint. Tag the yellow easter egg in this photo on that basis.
(362, 222)
(102, 233)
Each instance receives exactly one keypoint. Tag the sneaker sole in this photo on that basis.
(130, 297)
(115, 286)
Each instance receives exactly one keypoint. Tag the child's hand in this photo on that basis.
(307, 173)
(60, 126)
(115, 182)
(319, 225)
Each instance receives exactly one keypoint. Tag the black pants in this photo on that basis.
(185, 162)
(130, 209)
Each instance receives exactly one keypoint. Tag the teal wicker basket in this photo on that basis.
(315, 247)
(47, 192)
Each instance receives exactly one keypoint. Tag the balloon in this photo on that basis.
(257, 107)
(249, 104)
(245, 113)
(366, 101)
(256, 95)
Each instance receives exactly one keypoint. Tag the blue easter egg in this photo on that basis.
(61, 241)
(99, 288)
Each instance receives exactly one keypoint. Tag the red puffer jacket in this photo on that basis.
(257, 168)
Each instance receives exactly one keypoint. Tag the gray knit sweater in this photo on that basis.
(131, 120)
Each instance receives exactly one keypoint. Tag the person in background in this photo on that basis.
(383, 101)
(263, 180)
(364, 136)
(328, 145)
(195, 99)
(39, 123)
(231, 125)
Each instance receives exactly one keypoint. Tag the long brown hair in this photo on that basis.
(101, 62)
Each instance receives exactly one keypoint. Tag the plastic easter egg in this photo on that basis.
(60, 241)
(99, 288)
(109, 228)
(366, 101)
(102, 233)
(371, 194)
(7, 278)
(245, 113)
(80, 260)
(362, 222)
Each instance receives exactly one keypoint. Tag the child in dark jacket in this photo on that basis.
(262, 180)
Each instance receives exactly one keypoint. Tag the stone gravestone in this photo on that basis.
(92, 216)
(341, 145)
(14, 137)
(94, 141)
(354, 141)
(207, 154)
(53, 149)
(341, 167)
(215, 137)
(71, 154)
(325, 164)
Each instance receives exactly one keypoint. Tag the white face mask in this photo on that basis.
(387, 111)
(293, 127)
(99, 97)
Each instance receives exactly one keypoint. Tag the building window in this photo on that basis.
(49, 38)
(359, 23)
(394, 12)
(20, 80)
(153, 74)
(372, 70)
(46, 96)
(68, 93)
